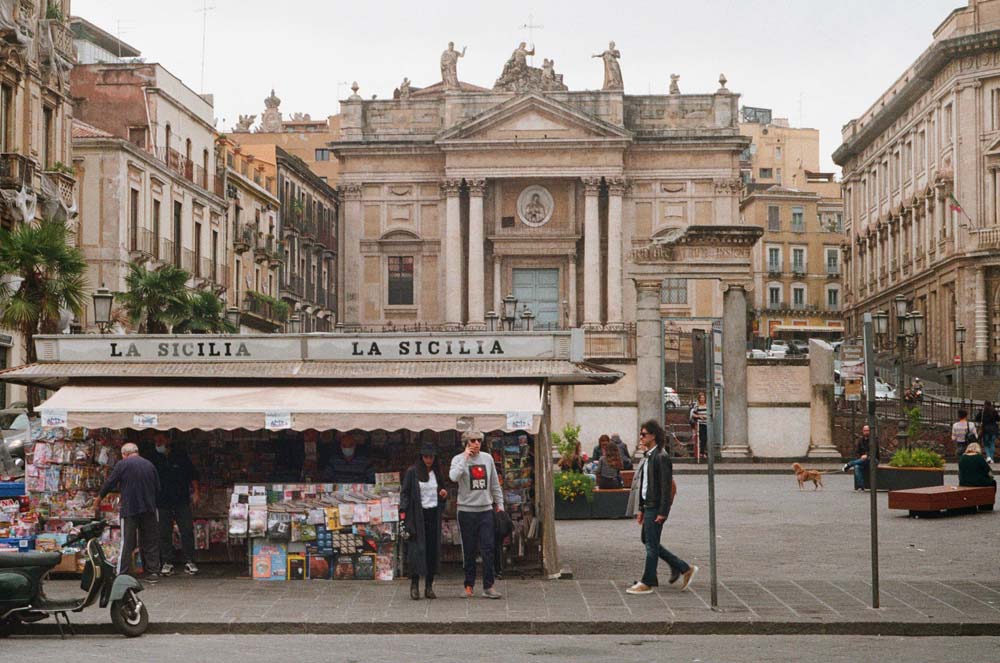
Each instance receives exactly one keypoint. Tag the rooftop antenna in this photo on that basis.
(530, 26)
(118, 25)
(204, 34)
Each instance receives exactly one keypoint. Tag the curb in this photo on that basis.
(764, 471)
(901, 629)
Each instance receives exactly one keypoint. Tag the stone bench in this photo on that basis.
(935, 499)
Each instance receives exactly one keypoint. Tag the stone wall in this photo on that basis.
(778, 396)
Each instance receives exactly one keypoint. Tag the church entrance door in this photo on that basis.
(538, 290)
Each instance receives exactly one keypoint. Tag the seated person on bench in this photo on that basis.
(609, 467)
(973, 470)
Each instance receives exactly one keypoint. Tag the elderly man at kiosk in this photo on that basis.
(349, 466)
(479, 494)
(179, 491)
(136, 480)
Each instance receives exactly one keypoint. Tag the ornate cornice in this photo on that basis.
(350, 191)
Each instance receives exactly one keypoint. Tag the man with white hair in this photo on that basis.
(137, 482)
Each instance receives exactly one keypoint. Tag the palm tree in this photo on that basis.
(155, 299)
(206, 315)
(44, 276)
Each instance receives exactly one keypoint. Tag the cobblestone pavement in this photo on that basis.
(790, 561)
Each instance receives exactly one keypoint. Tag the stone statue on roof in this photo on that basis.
(518, 76)
(244, 123)
(612, 70)
(449, 66)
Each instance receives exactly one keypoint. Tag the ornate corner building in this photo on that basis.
(37, 178)
(922, 201)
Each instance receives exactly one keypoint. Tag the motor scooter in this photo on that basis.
(22, 595)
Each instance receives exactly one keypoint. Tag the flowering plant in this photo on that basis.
(571, 485)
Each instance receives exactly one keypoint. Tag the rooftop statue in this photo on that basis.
(449, 66)
(612, 70)
(518, 76)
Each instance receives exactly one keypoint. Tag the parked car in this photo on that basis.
(780, 345)
(670, 397)
(799, 347)
(883, 390)
(757, 354)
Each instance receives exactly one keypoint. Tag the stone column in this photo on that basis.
(938, 217)
(649, 353)
(591, 254)
(982, 323)
(477, 278)
(452, 254)
(497, 284)
(616, 189)
(352, 255)
(571, 278)
(734, 371)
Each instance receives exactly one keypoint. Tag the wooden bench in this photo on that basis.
(935, 499)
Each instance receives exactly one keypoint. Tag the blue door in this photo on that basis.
(538, 290)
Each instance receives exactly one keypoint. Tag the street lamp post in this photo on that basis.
(902, 322)
(510, 311)
(294, 324)
(491, 320)
(233, 317)
(103, 298)
(960, 341)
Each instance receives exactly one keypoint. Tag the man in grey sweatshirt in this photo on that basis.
(479, 494)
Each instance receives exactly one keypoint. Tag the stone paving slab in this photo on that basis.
(807, 605)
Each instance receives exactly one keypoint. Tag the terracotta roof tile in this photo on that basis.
(84, 130)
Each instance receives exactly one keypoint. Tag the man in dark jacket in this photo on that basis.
(860, 464)
(179, 490)
(655, 478)
(136, 480)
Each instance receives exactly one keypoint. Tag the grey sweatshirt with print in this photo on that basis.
(478, 484)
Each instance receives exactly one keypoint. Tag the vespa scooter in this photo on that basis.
(23, 600)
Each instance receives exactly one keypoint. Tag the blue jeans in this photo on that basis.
(860, 467)
(989, 443)
(652, 531)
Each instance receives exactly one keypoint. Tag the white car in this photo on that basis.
(757, 354)
(670, 397)
(884, 390)
(779, 345)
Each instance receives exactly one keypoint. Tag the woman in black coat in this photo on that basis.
(421, 502)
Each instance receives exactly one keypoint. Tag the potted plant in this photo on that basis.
(911, 467)
(574, 493)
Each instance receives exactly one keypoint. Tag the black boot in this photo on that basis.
(429, 588)
(415, 588)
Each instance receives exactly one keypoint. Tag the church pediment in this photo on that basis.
(532, 117)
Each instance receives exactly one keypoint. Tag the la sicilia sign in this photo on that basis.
(329, 347)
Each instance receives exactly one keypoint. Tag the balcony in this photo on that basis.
(774, 269)
(143, 245)
(263, 247)
(617, 342)
(16, 171)
(184, 167)
(832, 308)
(798, 269)
(62, 39)
(294, 286)
(985, 239)
(188, 262)
(166, 255)
(64, 183)
(206, 270)
(263, 313)
(833, 271)
(23, 24)
(245, 239)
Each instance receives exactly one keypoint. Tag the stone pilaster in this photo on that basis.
(351, 194)
(821, 401)
(616, 189)
(452, 253)
(982, 339)
(591, 254)
(477, 278)
(571, 278)
(649, 353)
(734, 371)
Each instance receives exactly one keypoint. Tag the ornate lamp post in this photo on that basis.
(233, 317)
(103, 298)
(527, 316)
(491, 320)
(294, 324)
(899, 305)
(510, 311)
(960, 341)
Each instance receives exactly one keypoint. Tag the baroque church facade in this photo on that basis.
(456, 196)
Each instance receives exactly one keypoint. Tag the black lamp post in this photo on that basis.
(103, 299)
(960, 341)
(233, 317)
(510, 311)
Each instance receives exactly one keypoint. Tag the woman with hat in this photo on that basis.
(421, 502)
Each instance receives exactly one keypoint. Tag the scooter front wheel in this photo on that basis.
(129, 615)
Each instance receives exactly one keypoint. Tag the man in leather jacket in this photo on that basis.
(650, 500)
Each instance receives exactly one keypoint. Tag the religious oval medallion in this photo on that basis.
(534, 206)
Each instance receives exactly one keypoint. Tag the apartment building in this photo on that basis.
(922, 194)
(151, 188)
(36, 112)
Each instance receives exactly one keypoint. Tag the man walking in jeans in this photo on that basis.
(178, 490)
(479, 494)
(650, 500)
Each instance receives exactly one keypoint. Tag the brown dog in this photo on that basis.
(804, 476)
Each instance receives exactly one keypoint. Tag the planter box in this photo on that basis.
(609, 503)
(626, 476)
(904, 478)
(578, 509)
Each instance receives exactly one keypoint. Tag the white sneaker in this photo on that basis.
(167, 569)
(639, 588)
(190, 568)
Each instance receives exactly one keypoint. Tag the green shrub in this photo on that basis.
(565, 443)
(571, 485)
(916, 457)
(915, 425)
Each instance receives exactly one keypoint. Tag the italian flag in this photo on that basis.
(954, 205)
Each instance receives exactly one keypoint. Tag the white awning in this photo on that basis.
(369, 407)
(811, 329)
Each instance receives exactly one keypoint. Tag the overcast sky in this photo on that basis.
(816, 62)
